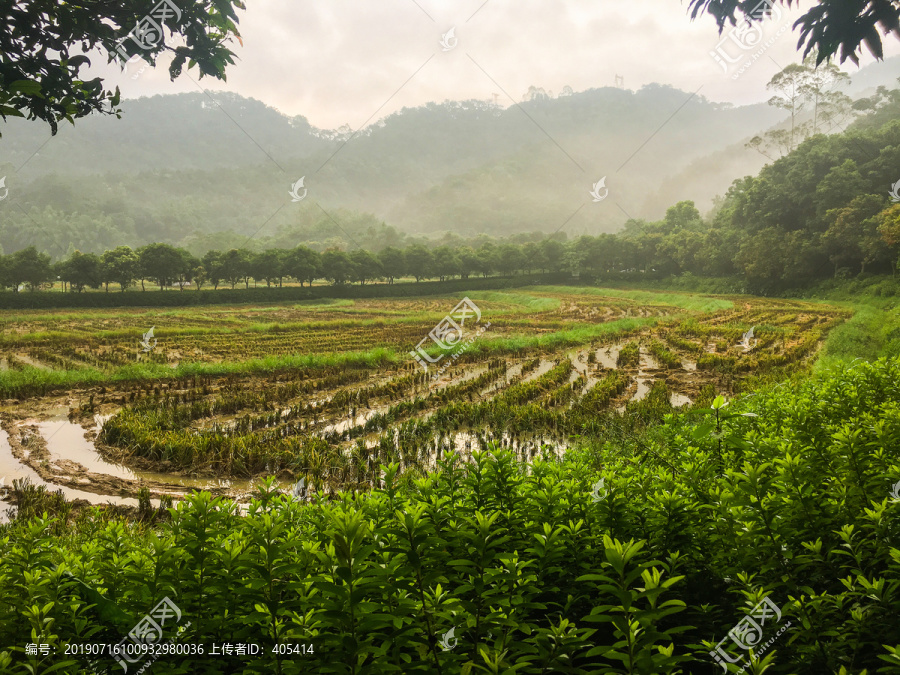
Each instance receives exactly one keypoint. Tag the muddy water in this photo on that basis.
(677, 399)
(644, 384)
(607, 356)
(543, 368)
(66, 440)
(11, 468)
(647, 362)
(350, 422)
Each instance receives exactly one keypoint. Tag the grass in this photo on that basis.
(32, 380)
(517, 302)
(566, 338)
(872, 332)
(693, 303)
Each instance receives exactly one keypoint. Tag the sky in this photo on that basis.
(351, 62)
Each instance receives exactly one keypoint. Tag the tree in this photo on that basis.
(487, 259)
(880, 108)
(684, 215)
(212, 266)
(575, 258)
(161, 263)
(236, 266)
(419, 262)
(303, 264)
(5, 279)
(30, 267)
(393, 262)
(762, 260)
(446, 262)
(510, 259)
(120, 265)
(468, 261)
(337, 267)
(839, 187)
(829, 27)
(790, 87)
(189, 263)
(888, 225)
(552, 252)
(830, 107)
(82, 269)
(365, 266)
(200, 276)
(268, 266)
(40, 75)
(798, 88)
(534, 257)
(536, 94)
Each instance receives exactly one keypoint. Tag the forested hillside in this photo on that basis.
(181, 169)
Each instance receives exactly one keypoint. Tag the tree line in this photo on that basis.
(165, 266)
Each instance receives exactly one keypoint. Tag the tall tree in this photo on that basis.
(829, 106)
(790, 87)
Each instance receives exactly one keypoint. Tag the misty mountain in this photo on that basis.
(181, 168)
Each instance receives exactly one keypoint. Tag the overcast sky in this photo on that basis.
(348, 61)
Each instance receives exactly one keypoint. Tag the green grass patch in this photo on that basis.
(689, 302)
(629, 355)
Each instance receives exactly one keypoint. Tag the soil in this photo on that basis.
(30, 448)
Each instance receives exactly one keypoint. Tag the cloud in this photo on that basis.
(344, 61)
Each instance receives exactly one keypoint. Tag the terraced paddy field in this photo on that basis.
(329, 391)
